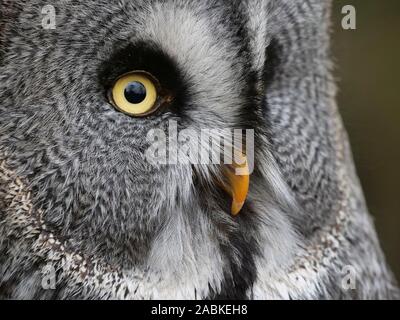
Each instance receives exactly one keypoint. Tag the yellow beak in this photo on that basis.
(238, 176)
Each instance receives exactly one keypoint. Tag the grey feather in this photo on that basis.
(77, 192)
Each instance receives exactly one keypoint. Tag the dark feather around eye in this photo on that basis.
(273, 53)
(149, 58)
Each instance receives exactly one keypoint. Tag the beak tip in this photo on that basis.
(236, 207)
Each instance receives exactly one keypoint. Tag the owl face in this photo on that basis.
(83, 97)
(79, 106)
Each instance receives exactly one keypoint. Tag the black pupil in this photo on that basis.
(135, 92)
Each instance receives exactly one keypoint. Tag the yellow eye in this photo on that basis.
(135, 94)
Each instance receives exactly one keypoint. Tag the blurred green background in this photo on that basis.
(368, 70)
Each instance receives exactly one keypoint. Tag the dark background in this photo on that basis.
(368, 70)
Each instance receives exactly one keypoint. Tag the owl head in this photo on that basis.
(89, 89)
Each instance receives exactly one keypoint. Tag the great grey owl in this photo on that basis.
(80, 199)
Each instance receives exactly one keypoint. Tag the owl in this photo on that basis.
(88, 89)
